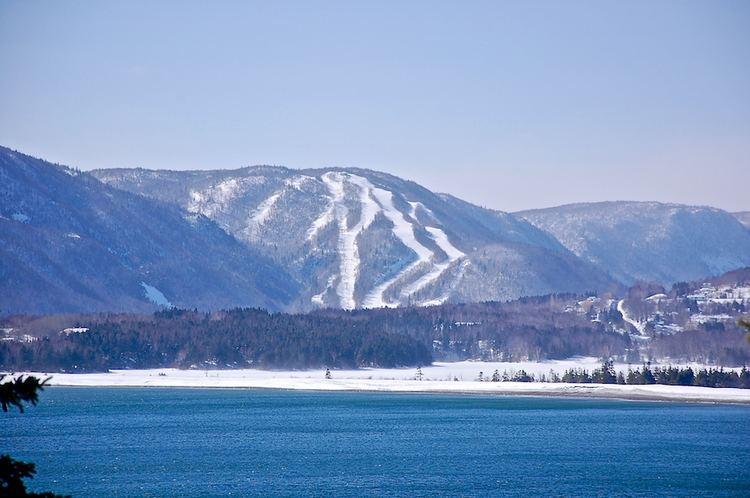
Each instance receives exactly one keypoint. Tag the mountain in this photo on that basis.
(649, 241)
(359, 238)
(70, 243)
(296, 240)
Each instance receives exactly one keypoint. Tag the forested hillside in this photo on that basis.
(691, 322)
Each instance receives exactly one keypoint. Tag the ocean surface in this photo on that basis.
(109, 442)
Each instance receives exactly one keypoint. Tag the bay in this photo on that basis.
(96, 442)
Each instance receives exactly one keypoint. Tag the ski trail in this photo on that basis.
(404, 230)
(348, 250)
(322, 221)
(449, 249)
(261, 215)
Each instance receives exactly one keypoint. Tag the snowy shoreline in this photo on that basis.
(456, 378)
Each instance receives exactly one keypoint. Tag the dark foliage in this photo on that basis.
(532, 329)
(19, 391)
(711, 377)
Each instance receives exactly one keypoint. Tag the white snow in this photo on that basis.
(296, 182)
(75, 330)
(449, 249)
(348, 249)
(640, 327)
(404, 230)
(373, 201)
(216, 198)
(318, 298)
(701, 318)
(261, 215)
(418, 205)
(322, 221)
(155, 295)
(440, 377)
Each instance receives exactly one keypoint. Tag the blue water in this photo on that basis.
(210, 442)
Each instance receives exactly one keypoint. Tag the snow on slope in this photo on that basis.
(649, 241)
(322, 221)
(217, 197)
(373, 201)
(404, 231)
(639, 326)
(454, 254)
(261, 214)
(359, 238)
(348, 250)
(155, 295)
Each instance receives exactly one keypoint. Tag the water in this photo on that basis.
(211, 442)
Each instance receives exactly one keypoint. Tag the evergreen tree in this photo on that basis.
(647, 375)
(745, 378)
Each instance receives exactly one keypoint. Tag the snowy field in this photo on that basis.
(459, 377)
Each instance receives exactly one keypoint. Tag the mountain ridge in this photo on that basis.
(72, 243)
(416, 246)
(334, 237)
(648, 240)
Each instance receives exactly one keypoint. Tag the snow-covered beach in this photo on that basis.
(458, 377)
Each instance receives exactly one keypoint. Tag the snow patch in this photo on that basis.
(318, 298)
(75, 330)
(155, 295)
(639, 326)
(297, 182)
(261, 215)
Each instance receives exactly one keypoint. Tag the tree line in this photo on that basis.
(669, 375)
(328, 338)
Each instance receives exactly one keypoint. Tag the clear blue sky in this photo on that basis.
(510, 105)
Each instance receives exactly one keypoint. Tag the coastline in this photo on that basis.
(445, 378)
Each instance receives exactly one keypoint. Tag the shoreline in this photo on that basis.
(394, 381)
(570, 391)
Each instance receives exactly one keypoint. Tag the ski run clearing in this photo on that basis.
(459, 377)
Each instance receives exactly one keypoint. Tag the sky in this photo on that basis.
(509, 105)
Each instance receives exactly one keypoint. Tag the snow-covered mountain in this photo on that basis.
(649, 241)
(70, 243)
(359, 238)
(295, 240)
